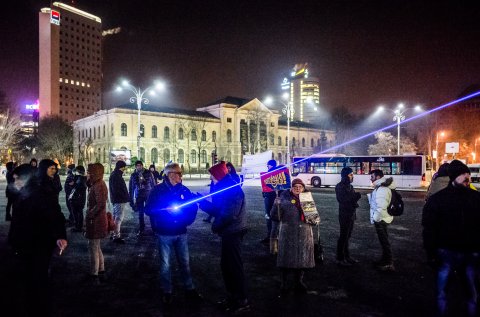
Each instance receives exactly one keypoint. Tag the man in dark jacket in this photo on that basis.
(118, 197)
(68, 186)
(228, 208)
(451, 218)
(9, 190)
(78, 197)
(139, 187)
(37, 228)
(170, 222)
(347, 204)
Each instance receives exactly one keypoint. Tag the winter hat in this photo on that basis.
(457, 168)
(120, 164)
(71, 166)
(297, 181)
(80, 170)
(272, 163)
(138, 163)
(24, 171)
(219, 170)
(346, 171)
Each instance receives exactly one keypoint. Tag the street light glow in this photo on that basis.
(268, 100)
(160, 86)
(285, 96)
(125, 82)
(118, 89)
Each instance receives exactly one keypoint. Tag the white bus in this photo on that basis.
(408, 171)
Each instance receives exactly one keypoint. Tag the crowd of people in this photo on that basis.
(38, 226)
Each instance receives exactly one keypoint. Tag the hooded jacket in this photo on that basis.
(380, 199)
(96, 217)
(118, 188)
(346, 196)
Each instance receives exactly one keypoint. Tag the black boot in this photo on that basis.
(318, 253)
(300, 287)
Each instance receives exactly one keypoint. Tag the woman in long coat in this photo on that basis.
(295, 238)
(96, 218)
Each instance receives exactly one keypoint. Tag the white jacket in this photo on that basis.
(380, 199)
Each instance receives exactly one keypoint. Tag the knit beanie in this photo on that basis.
(457, 168)
(297, 181)
(80, 170)
(120, 164)
(219, 170)
(272, 163)
(71, 166)
(346, 171)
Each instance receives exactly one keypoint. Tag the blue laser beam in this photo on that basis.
(423, 114)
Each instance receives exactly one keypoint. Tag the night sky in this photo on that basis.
(364, 52)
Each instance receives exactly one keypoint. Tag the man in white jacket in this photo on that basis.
(379, 217)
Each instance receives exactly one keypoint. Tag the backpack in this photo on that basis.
(395, 208)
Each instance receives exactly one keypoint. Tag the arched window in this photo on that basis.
(203, 156)
(193, 136)
(279, 140)
(293, 141)
(286, 140)
(303, 142)
(204, 135)
(286, 158)
(312, 143)
(154, 155)
(180, 133)
(193, 157)
(98, 154)
(229, 135)
(166, 134)
(90, 133)
(142, 130)
(318, 142)
(94, 133)
(229, 156)
(111, 130)
(142, 154)
(99, 133)
(103, 130)
(272, 139)
(213, 157)
(123, 129)
(181, 156)
(214, 136)
(104, 154)
(154, 131)
(166, 156)
(78, 136)
(279, 158)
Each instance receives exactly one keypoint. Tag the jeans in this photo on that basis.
(268, 201)
(382, 233)
(232, 266)
(77, 212)
(179, 245)
(140, 208)
(118, 214)
(96, 257)
(466, 266)
(346, 228)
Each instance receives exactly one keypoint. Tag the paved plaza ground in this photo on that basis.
(131, 288)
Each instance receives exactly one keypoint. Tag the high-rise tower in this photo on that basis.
(70, 62)
(304, 93)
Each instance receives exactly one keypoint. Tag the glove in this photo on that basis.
(273, 246)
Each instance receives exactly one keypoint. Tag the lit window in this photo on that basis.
(61, 79)
(83, 84)
(78, 83)
(66, 81)
(72, 82)
(88, 85)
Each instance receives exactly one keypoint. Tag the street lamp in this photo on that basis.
(399, 116)
(138, 98)
(289, 112)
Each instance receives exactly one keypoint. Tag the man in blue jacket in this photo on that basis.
(170, 222)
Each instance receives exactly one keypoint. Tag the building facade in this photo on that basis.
(70, 62)
(304, 93)
(226, 129)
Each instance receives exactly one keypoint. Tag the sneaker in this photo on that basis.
(343, 263)
(119, 241)
(352, 261)
(167, 298)
(386, 267)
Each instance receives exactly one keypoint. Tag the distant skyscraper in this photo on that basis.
(304, 93)
(70, 62)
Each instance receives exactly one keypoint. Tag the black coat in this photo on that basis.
(79, 197)
(140, 185)
(37, 220)
(227, 206)
(118, 188)
(451, 220)
(160, 207)
(70, 178)
(347, 197)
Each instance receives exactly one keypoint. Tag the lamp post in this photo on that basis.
(139, 98)
(289, 112)
(399, 116)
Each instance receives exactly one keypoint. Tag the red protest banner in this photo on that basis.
(278, 179)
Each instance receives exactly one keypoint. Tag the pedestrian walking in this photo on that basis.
(347, 204)
(228, 209)
(139, 187)
(379, 200)
(96, 219)
(78, 197)
(68, 187)
(119, 198)
(156, 175)
(170, 222)
(268, 199)
(9, 190)
(37, 228)
(450, 221)
(295, 239)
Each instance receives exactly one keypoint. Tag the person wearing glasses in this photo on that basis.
(170, 215)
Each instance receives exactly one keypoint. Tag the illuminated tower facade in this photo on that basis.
(70, 62)
(304, 93)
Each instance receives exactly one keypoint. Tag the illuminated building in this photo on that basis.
(225, 128)
(304, 93)
(29, 117)
(70, 62)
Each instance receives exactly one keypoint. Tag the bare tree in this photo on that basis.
(9, 129)
(387, 145)
(56, 138)
(256, 131)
